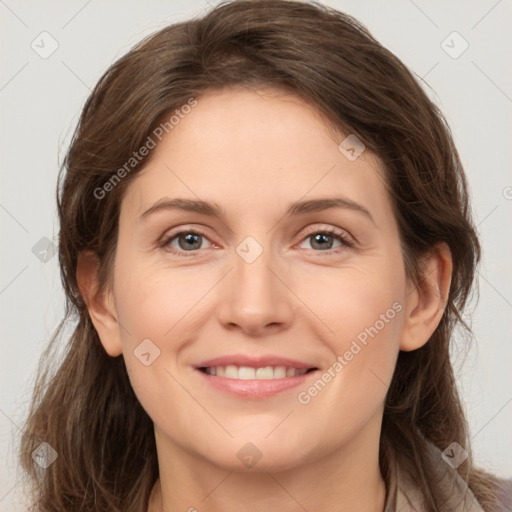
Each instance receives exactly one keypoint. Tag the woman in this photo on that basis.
(266, 242)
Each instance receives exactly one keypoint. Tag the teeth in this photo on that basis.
(244, 373)
(249, 373)
(231, 372)
(265, 373)
(279, 372)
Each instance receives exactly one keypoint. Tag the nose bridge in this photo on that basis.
(254, 282)
(255, 298)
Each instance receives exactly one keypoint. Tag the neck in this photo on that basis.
(347, 479)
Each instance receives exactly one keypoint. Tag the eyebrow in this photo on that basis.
(297, 208)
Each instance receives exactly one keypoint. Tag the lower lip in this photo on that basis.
(255, 388)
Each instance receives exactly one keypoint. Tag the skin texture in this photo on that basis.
(253, 153)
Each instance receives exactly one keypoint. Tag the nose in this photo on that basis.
(255, 298)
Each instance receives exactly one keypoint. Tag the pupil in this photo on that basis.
(321, 236)
(190, 240)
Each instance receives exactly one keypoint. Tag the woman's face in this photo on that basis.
(220, 315)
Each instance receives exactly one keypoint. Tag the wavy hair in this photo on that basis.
(83, 404)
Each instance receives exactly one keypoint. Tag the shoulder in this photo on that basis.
(504, 494)
(405, 494)
(454, 493)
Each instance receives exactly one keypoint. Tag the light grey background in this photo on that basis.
(40, 102)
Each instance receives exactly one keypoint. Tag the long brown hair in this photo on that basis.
(83, 405)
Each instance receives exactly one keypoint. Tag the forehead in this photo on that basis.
(255, 149)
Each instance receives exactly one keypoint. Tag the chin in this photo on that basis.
(260, 455)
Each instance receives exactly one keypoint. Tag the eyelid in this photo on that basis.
(346, 239)
(170, 235)
(172, 232)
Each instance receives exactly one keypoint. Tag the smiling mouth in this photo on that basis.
(250, 373)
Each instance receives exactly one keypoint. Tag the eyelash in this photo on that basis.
(340, 235)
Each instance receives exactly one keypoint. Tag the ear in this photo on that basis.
(100, 303)
(426, 302)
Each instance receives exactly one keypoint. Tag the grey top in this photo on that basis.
(404, 494)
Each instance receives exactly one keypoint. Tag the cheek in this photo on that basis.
(350, 391)
(350, 300)
(151, 302)
(151, 311)
(160, 305)
(362, 312)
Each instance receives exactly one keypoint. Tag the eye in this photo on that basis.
(189, 241)
(184, 241)
(323, 240)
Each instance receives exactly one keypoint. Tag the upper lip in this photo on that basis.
(254, 362)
